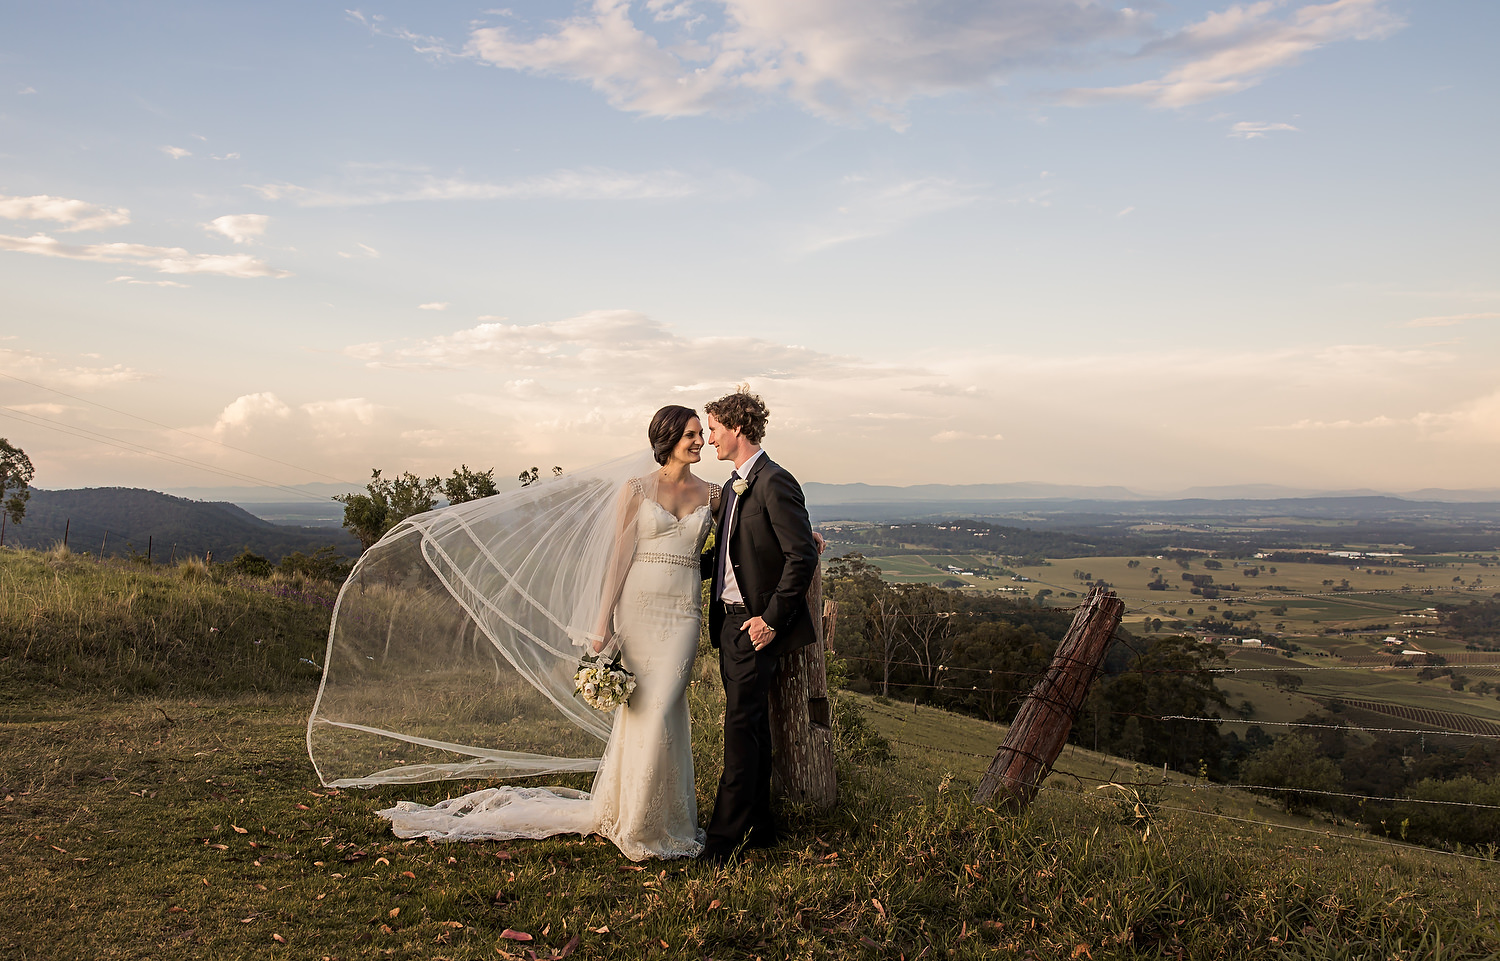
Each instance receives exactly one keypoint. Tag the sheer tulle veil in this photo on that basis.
(455, 639)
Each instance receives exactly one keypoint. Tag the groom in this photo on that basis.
(762, 563)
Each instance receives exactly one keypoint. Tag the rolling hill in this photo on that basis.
(132, 518)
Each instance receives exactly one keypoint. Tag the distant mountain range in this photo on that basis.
(133, 518)
(818, 493)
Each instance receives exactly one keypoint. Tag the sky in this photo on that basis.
(1071, 241)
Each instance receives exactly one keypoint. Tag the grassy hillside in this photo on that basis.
(186, 823)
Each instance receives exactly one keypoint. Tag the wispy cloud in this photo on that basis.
(840, 59)
(1477, 419)
(369, 187)
(1451, 320)
(127, 279)
(76, 214)
(240, 228)
(168, 260)
(851, 59)
(436, 305)
(50, 370)
(1250, 130)
(176, 153)
(1236, 48)
(874, 208)
(961, 436)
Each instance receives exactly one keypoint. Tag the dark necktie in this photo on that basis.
(729, 498)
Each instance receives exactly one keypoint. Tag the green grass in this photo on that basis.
(191, 826)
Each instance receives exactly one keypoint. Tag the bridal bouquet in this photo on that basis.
(603, 685)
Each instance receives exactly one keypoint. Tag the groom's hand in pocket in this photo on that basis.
(760, 632)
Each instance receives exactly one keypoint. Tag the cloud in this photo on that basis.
(1477, 419)
(435, 305)
(176, 153)
(955, 436)
(49, 370)
(127, 279)
(875, 209)
(835, 58)
(334, 417)
(1451, 320)
(77, 214)
(852, 59)
(376, 186)
(606, 342)
(1236, 48)
(240, 228)
(53, 409)
(245, 411)
(25, 90)
(1250, 130)
(168, 260)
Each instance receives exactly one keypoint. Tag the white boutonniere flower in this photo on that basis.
(740, 486)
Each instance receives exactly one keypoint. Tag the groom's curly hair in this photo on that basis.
(741, 409)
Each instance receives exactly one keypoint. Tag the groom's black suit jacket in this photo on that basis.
(773, 554)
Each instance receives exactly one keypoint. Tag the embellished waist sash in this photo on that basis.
(678, 560)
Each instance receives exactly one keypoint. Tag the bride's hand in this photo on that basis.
(599, 645)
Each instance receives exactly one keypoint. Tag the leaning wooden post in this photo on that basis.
(1041, 727)
(802, 767)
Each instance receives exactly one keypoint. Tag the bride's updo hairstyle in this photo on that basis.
(741, 409)
(666, 430)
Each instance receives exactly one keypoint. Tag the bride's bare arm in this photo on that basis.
(621, 555)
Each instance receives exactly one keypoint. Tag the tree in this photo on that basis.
(1293, 765)
(387, 503)
(468, 485)
(15, 481)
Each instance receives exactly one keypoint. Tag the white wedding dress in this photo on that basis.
(643, 798)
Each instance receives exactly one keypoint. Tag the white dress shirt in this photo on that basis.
(731, 588)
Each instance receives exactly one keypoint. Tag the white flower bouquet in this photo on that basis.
(603, 685)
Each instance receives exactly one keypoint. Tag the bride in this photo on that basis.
(605, 560)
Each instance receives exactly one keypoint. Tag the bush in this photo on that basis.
(251, 565)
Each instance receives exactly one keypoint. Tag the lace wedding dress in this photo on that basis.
(643, 797)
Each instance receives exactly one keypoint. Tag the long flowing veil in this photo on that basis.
(455, 639)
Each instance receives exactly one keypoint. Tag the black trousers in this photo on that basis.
(742, 807)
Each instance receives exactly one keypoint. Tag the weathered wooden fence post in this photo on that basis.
(802, 767)
(1041, 727)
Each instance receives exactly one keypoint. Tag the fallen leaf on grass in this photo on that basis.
(408, 874)
(278, 939)
(239, 830)
(174, 909)
(604, 929)
(386, 929)
(395, 911)
(385, 861)
(515, 935)
(249, 919)
(713, 904)
(303, 807)
(878, 907)
(623, 867)
(451, 924)
(867, 942)
(569, 948)
(56, 848)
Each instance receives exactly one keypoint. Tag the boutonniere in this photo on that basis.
(740, 485)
